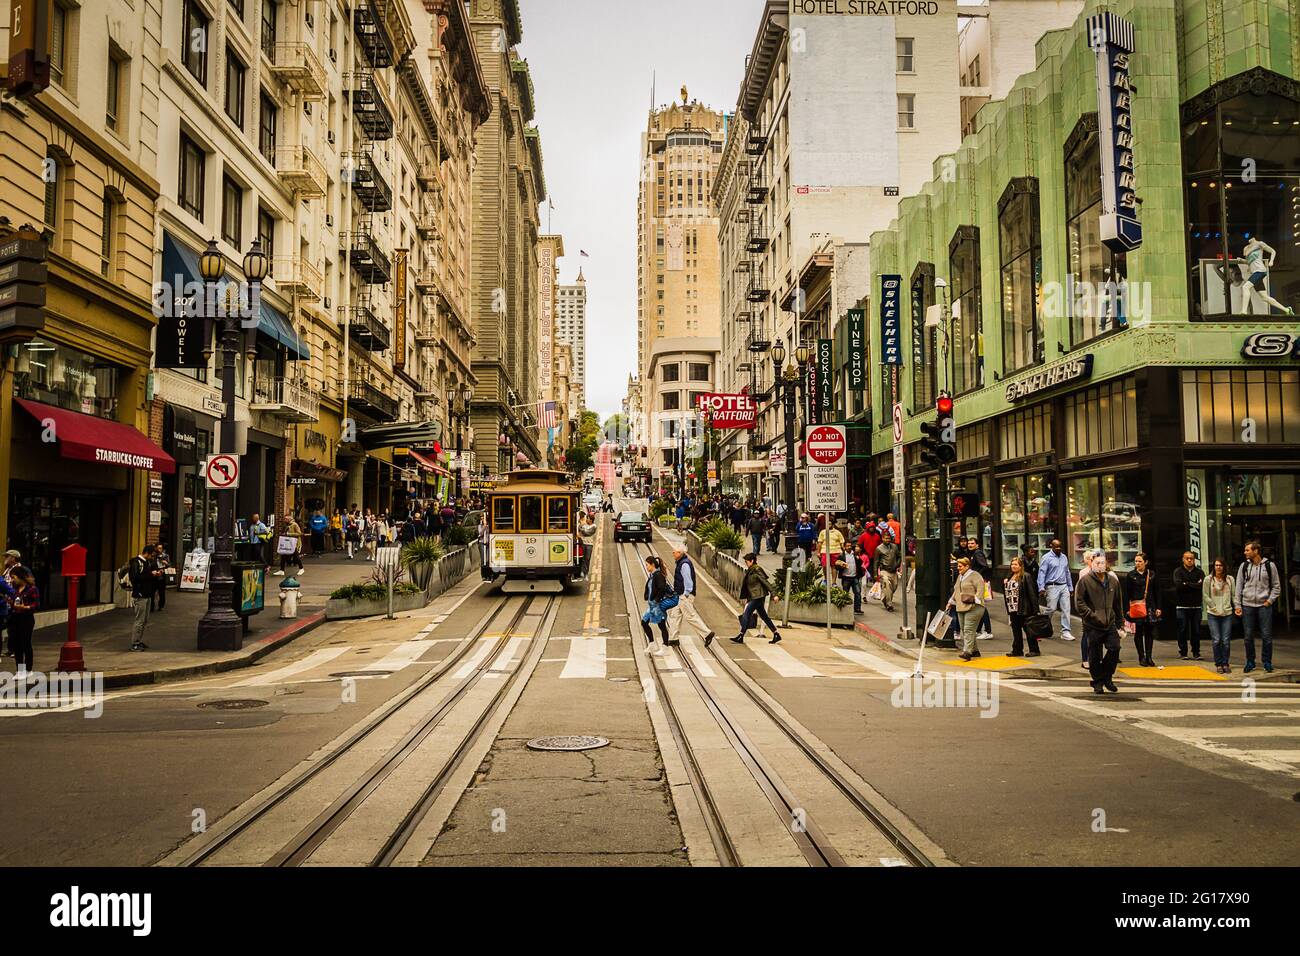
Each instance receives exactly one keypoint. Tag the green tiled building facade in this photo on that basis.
(1147, 401)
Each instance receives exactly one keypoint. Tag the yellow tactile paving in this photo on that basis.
(1188, 672)
(1000, 662)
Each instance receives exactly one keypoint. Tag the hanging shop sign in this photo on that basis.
(891, 346)
(399, 312)
(810, 390)
(857, 366)
(1111, 39)
(824, 393)
(728, 410)
(1054, 376)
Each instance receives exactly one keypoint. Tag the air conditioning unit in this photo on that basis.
(311, 21)
(328, 304)
(329, 135)
(329, 220)
(334, 55)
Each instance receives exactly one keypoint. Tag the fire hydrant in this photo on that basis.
(289, 589)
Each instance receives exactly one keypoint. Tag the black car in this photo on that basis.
(631, 526)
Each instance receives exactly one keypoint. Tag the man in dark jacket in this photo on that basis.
(1099, 602)
(754, 589)
(1188, 579)
(143, 576)
(757, 524)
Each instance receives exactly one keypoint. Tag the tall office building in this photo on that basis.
(677, 237)
(571, 330)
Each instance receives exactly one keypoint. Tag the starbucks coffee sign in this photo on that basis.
(865, 8)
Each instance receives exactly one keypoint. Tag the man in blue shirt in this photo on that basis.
(318, 525)
(806, 532)
(1054, 586)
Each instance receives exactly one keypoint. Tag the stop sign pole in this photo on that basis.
(827, 451)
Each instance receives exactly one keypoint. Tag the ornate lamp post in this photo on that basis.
(787, 379)
(460, 418)
(220, 629)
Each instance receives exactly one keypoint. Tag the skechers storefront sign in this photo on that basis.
(1066, 373)
(1271, 345)
(866, 8)
(1111, 39)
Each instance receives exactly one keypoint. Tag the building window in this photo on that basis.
(270, 9)
(1026, 433)
(1105, 511)
(232, 212)
(1028, 515)
(671, 401)
(1241, 161)
(109, 238)
(907, 111)
(238, 7)
(52, 173)
(59, 17)
(194, 42)
(1022, 272)
(193, 163)
(266, 128)
(117, 73)
(1222, 400)
(59, 375)
(266, 230)
(1101, 419)
(670, 373)
(235, 74)
(698, 371)
(977, 78)
(1096, 301)
(905, 47)
(967, 313)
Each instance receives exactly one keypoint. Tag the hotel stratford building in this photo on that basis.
(1162, 418)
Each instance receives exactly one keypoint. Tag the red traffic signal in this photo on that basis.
(943, 405)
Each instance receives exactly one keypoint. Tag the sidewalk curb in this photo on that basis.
(259, 649)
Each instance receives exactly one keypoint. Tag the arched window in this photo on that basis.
(1241, 167)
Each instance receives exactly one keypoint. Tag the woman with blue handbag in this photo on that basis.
(661, 598)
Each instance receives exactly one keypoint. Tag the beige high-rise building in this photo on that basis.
(571, 329)
(550, 250)
(508, 186)
(677, 226)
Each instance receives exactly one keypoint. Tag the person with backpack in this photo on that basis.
(24, 604)
(756, 526)
(754, 588)
(1258, 587)
(660, 599)
(140, 575)
(1141, 614)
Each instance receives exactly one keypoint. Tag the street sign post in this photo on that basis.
(827, 489)
(826, 448)
(387, 562)
(900, 491)
(221, 472)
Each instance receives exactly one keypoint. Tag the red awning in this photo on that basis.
(428, 464)
(87, 438)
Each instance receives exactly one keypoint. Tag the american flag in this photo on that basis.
(547, 418)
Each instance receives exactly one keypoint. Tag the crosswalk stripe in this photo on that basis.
(403, 655)
(870, 661)
(586, 659)
(470, 664)
(1281, 756)
(696, 654)
(1248, 711)
(783, 662)
(315, 659)
(506, 658)
(1260, 701)
(1284, 730)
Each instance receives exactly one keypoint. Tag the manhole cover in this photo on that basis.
(361, 674)
(234, 704)
(570, 742)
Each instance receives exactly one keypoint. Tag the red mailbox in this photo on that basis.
(74, 569)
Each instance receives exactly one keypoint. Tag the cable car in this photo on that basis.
(533, 532)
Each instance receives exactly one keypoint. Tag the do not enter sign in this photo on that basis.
(826, 445)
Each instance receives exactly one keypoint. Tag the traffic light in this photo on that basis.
(965, 504)
(939, 446)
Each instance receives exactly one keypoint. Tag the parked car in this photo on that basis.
(631, 526)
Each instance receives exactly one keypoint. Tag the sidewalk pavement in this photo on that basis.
(172, 633)
(1061, 660)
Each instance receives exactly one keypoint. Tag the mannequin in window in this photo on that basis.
(1257, 258)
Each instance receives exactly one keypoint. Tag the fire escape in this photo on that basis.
(758, 295)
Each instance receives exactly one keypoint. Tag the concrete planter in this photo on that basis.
(810, 613)
(338, 610)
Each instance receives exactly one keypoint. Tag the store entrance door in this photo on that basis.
(1279, 540)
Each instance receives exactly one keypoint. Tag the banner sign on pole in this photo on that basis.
(810, 392)
(857, 366)
(891, 347)
(825, 371)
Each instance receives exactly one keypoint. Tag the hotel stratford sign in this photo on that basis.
(1054, 376)
(865, 8)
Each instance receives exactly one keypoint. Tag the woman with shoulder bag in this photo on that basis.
(968, 601)
(1141, 615)
(1018, 593)
(658, 595)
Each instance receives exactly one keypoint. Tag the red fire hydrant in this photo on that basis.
(74, 569)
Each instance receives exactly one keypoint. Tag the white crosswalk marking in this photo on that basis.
(782, 661)
(871, 662)
(313, 660)
(586, 658)
(1212, 733)
(698, 659)
(473, 661)
(403, 655)
(506, 658)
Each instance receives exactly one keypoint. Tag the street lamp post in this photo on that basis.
(787, 379)
(220, 628)
(460, 418)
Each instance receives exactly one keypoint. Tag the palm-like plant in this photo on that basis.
(419, 556)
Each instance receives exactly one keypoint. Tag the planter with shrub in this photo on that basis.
(419, 558)
(371, 599)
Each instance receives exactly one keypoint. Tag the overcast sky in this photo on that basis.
(591, 62)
